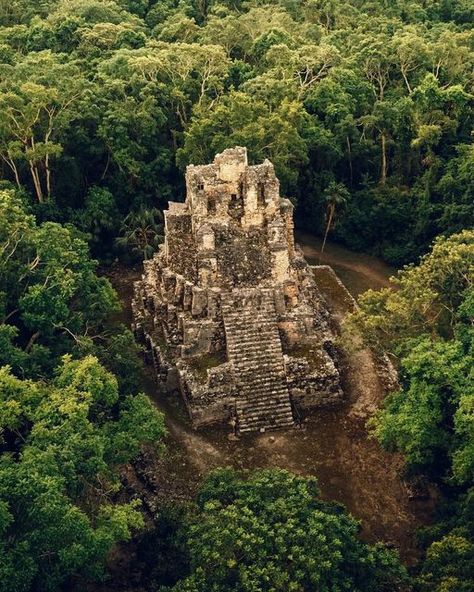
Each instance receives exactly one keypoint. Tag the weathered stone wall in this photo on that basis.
(209, 398)
(243, 257)
(178, 233)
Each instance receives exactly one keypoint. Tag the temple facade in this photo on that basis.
(229, 310)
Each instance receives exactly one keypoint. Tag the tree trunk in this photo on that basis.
(36, 181)
(32, 340)
(383, 166)
(48, 177)
(106, 166)
(406, 80)
(12, 165)
(332, 207)
(349, 152)
(46, 160)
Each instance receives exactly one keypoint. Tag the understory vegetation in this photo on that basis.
(365, 109)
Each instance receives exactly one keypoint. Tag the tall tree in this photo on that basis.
(38, 101)
(335, 197)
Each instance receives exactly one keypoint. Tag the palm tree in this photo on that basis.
(141, 232)
(336, 196)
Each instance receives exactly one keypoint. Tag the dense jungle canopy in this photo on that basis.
(365, 109)
(364, 103)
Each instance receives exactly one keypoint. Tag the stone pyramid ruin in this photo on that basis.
(228, 308)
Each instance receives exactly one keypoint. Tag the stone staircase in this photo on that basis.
(255, 352)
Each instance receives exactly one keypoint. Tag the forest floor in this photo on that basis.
(332, 445)
(358, 271)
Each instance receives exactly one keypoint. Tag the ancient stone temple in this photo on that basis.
(228, 308)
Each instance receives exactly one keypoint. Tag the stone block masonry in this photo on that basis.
(229, 310)
(255, 352)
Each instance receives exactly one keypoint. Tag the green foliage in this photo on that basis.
(270, 531)
(52, 295)
(439, 378)
(449, 565)
(240, 120)
(336, 196)
(427, 322)
(37, 99)
(365, 109)
(63, 440)
(119, 353)
(61, 445)
(99, 216)
(428, 298)
(450, 551)
(121, 95)
(141, 233)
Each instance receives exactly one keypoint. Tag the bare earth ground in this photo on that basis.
(333, 445)
(358, 271)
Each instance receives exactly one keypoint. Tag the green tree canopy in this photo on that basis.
(51, 296)
(427, 321)
(61, 446)
(269, 530)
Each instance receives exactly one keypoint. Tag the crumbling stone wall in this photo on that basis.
(229, 286)
(242, 257)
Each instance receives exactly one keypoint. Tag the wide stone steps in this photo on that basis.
(255, 341)
(249, 363)
(258, 406)
(259, 360)
(256, 337)
(255, 352)
(254, 422)
(260, 316)
(255, 388)
(260, 326)
(262, 343)
(271, 398)
(260, 374)
(261, 407)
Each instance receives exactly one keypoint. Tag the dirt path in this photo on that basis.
(358, 271)
(334, 446)
(366, 378)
